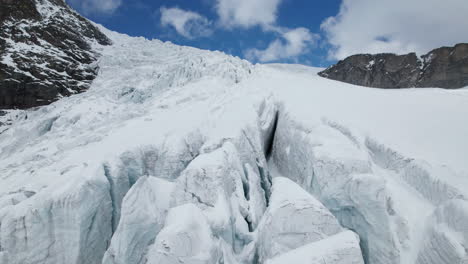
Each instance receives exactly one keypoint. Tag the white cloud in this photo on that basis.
(187, 23)
(97, 6)
(397, 26)
(292, 44)
(247, 13)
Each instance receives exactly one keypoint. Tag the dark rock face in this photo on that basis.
(45, 52)
(446, 67)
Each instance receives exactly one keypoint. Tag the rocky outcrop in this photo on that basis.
(45, 52)
(445, 67)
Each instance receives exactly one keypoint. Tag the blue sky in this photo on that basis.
(312, 32)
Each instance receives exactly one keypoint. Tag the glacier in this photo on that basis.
(180, 155)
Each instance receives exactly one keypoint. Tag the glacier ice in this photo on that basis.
(446, 235)
(70, 225)
(326, 162)
(186, 238)
(143, 214)
(293, 219)
(340, 248)
(181, 154)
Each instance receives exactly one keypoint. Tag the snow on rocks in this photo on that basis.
(46, 52)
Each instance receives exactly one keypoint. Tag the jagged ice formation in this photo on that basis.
(176, 154)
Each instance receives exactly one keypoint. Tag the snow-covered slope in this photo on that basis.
(178, 155)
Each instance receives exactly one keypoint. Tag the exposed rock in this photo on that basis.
(445, 67)
(45, 52)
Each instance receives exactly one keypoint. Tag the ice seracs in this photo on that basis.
(68, 225)
(175, 153)
(294, 219)
(340, 248)
(186, 238)
(143, 215)
(329, 162)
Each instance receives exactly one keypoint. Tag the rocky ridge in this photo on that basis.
(445, 67)
(46, 52)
